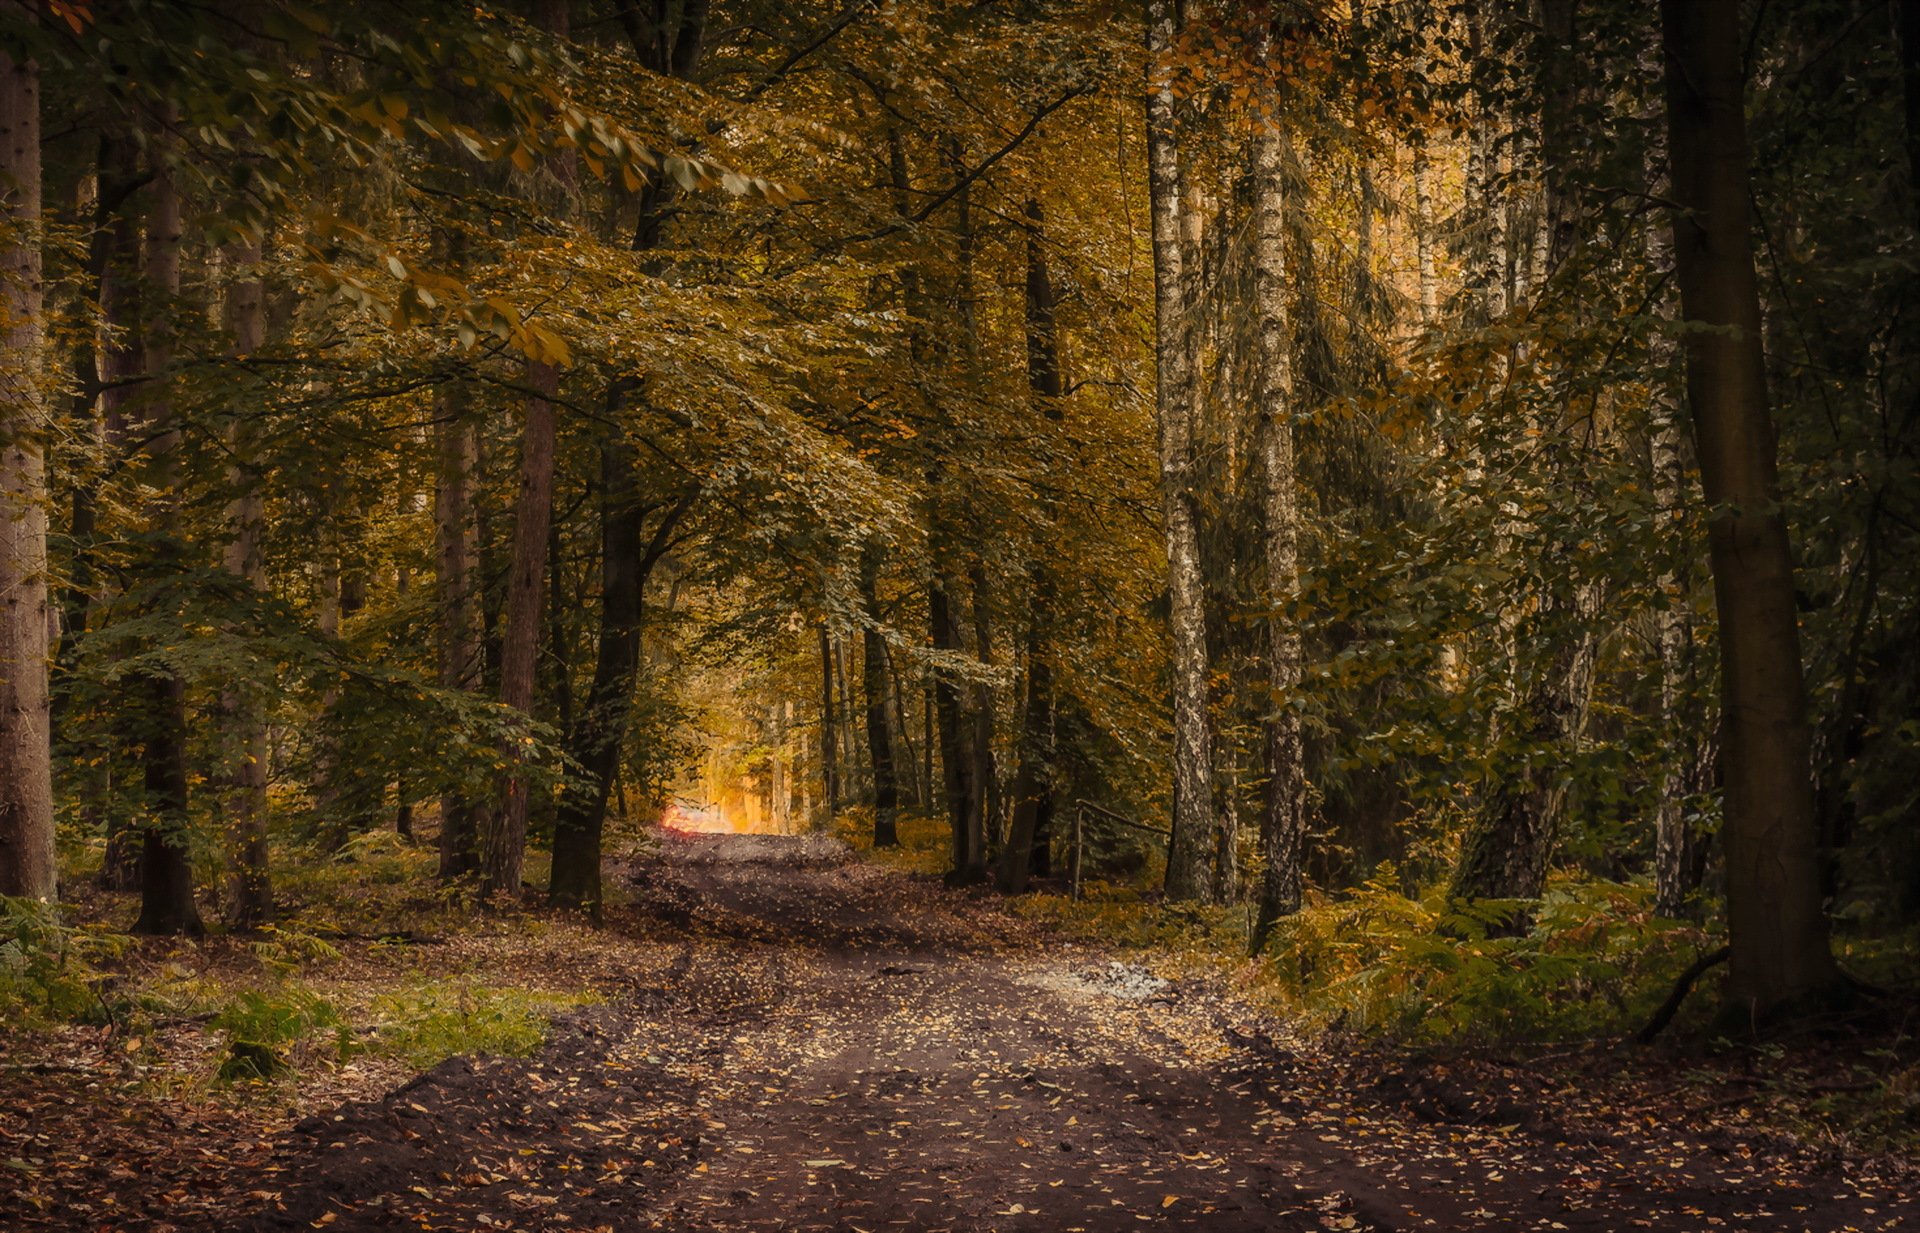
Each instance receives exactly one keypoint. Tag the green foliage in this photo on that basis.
(263, 1025)
(49, 970)
(434, 1021)
(286, 948)
(1596, 961)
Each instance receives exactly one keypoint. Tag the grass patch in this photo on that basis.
(426, 1024)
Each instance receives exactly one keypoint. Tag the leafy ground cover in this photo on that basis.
(774, 1033)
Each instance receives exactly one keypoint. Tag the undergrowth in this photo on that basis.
(431, 1021)
(286, 1000)
(924, 847)
(1595, 962)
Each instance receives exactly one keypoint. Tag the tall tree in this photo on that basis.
(670, 45)
(26, 768)
(829, 725)
(873, 678)
(1190, 854)
(503, 836)
(1033, 791)
(1777, 924)
(461, 628)
(160, 693)
(251, 899)
(1283, 822)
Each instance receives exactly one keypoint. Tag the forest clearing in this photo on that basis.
(960, 614)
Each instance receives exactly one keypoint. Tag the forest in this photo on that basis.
(612, 612)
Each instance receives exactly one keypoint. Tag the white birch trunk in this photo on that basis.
(1190, 850)
(1284, 812)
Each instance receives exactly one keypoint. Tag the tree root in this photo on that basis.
(1681, 988)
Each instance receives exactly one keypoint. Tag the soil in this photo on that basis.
(835, 1046)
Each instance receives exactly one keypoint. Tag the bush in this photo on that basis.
(48, 969)
(263, 1026)
(1596, 960)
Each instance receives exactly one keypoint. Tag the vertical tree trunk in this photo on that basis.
(909, 757)
(243, 717)
(829, 725)
(122, 311)
(503, 841)
(1033, 779)
(166, 869)
(1509, 844)
(26, 756)
(956, 762)
(1283, 819)
(1487, 263)
(1778, 929)
(1027, 849)
(595, 741)
(777, 769)
(461, 625)
(1423, 223)
(503, 834)
(886, 791)
(1190, 851)
(852, 773)
(332, 793)
(984, 822)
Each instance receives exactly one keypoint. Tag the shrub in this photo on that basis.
(427, 1025)
(262, 1026)
(1596, 960)
(48, 969)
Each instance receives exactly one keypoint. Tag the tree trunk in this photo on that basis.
(26, 758)
(886, 791)
(829, 725)
(1283, 818)
(984, 824)
(461, 625)
(908, 761)
(1190, 850)
(1033, 780)
(1509, 844)
(595, 741)
(122, 311)
(503, 835)
(956, 762)
(1423, 227)
(503, 842)
(1028, 849)
(1778, 929)
(332, 793)
(166, 869)
(1487, 262)
(242, 715)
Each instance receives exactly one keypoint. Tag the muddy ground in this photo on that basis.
(807, 1042)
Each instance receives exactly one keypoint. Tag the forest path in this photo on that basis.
(830, 1045)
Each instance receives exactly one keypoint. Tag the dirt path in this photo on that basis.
(839, 1047)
